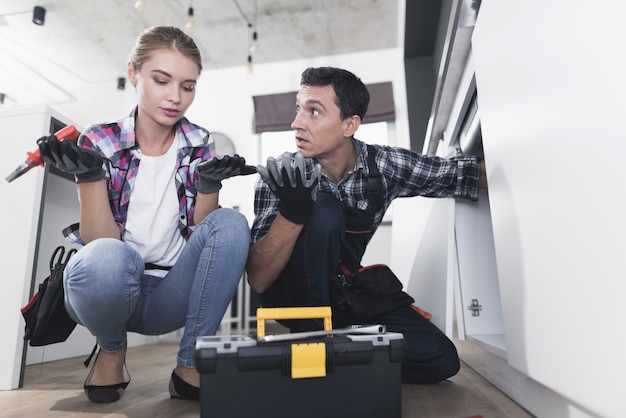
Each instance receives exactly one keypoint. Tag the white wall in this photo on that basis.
(224, 103)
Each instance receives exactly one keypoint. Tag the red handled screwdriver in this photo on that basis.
(34, 159)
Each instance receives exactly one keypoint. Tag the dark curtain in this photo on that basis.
(275, 112)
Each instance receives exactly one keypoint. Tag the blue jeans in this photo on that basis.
(107, 291)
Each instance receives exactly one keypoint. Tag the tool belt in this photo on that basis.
(369, 292)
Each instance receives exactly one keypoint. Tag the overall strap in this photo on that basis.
(359, 222)
(374, 181)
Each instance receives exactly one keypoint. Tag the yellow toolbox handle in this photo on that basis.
(264, 314)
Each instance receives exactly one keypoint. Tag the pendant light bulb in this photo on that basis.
(249, 64)
(190, 20)
(140, 4)
(254, 45)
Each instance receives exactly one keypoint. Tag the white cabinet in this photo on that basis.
(471, 260)
(19, 221)
(552, 99)
(36, 207)
(479, 311)
(540, 256)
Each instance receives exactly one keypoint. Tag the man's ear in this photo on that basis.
(351, 125)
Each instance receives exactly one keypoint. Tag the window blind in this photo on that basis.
(275, 112)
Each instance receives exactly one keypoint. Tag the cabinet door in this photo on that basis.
(19, 216)
(552, 96)
(421, 228)
(478, 306)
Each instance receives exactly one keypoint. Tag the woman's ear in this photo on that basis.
(131, 75)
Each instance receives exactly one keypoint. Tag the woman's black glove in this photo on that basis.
(213, 171)
(67, 156)
(297, 194)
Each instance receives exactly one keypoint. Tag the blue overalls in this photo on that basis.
(335, 233)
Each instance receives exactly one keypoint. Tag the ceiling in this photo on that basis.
(86, 43)
(92, 39)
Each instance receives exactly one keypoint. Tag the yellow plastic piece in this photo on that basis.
(264, 314)
(308, 360)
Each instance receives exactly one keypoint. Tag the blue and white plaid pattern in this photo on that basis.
(405, 173)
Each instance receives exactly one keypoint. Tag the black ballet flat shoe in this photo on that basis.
(179, 389)
(106, 393)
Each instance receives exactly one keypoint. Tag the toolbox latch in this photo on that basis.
(308, 360)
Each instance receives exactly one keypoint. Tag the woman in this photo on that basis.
(159, 254)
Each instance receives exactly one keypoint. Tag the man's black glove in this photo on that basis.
(297, 194)
(67, 156)
(213, 171)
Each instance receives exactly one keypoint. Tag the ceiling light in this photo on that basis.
(254, 45)
(249, 64)
(190, 21)
(39, 15)
(140, 4)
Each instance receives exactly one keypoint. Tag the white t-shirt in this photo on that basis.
(152, 223)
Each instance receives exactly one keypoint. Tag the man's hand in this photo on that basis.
(67, 156)
(212, 172)
(297, 194)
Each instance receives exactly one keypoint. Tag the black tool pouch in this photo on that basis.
(47, 321)
(369, 292)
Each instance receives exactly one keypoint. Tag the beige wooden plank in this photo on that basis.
(464, 395)
(55, 389)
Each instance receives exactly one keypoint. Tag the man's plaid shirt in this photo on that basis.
(405, 173)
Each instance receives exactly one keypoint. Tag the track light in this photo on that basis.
(39, 15)
(190, 20)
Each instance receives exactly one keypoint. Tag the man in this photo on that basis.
(314, 215)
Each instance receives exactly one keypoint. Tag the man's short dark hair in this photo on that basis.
(352, 95)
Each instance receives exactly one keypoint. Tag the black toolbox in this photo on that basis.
(343, 375)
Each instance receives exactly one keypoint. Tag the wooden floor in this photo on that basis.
(54, 389)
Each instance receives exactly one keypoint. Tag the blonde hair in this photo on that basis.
(164, 37)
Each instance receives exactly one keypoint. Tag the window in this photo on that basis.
(275, 143)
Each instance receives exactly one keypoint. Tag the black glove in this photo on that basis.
(212, 172)
(67, 156)
(297, 194)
